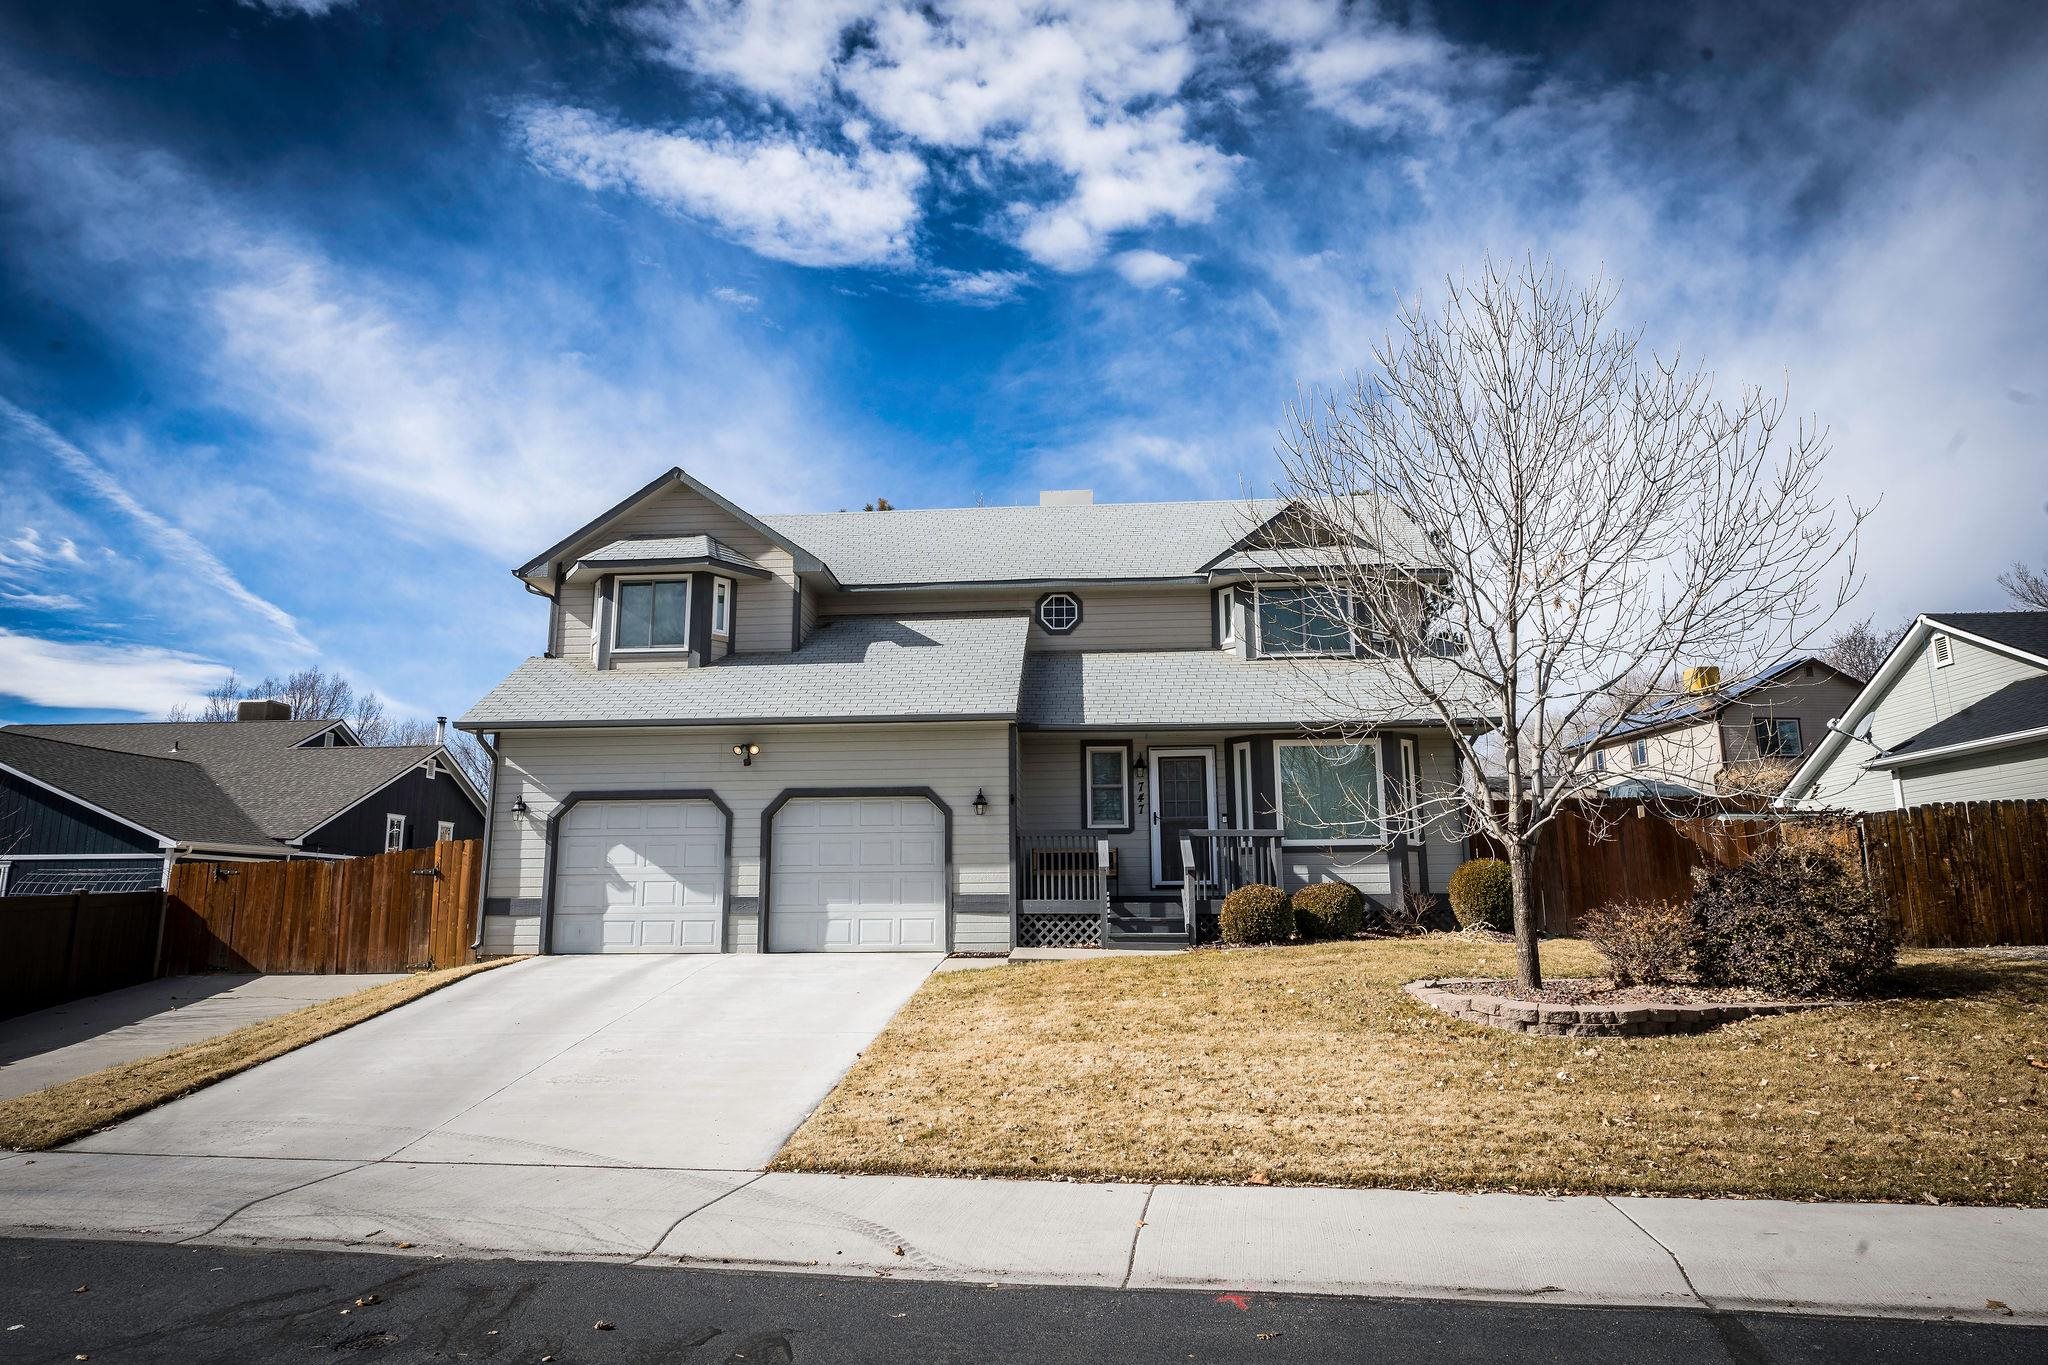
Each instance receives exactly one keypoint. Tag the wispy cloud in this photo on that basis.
(976, 288)
(1148, 269)
(143, 679)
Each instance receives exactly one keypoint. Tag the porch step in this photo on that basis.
(1125, 929)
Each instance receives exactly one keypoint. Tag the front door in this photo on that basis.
(1183, 798)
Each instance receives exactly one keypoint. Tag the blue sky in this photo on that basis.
(317, 316)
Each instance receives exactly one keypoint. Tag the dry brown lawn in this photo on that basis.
(64, 1113)
(1308, 1065)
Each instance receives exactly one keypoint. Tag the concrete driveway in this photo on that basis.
(692, 1063)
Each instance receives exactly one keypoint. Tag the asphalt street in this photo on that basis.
(143, 1302)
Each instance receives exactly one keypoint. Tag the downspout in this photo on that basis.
(483, 875)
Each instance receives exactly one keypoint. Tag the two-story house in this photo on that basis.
(955, 729)
(1740, 738)
(1958, 711)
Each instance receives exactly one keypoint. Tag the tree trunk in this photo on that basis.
(1528, 966)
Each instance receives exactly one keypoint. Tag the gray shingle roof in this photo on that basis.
(1689, 708)
(666, 550)
(2012, 709)
(2023, 630)
(172, 797)
(281, 789)
(1176, 688)
(856, 669)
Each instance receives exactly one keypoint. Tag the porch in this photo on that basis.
(1070, 894)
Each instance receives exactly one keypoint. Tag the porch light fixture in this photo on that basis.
(980, 802)
(519, 805)
(746, 754)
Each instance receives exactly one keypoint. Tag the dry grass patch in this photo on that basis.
(69, 1111)
(1309, 1065)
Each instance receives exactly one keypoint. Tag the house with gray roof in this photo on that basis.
(950, 729)
(1958, 711)
(109, 807)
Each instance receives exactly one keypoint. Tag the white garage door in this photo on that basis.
(640, 877)
(858, 875)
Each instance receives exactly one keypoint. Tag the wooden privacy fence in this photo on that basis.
(59, 948)
(1963, 875)
(390, 913)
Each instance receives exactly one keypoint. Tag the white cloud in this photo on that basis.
(1370, 71)
(738, 298)
(312, 8)
(787, 199)
(143, 679)
(781, 49)
(1148, 268)
(43, 601)
(978, 288)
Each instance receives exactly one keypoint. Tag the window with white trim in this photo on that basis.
(1778, 737)
(651, 613)
(394, 832)
(721, 607)
(444, 830)
(1109, 786)
(1302, 620)
(1059, 612)
(1639, 753)
(1599, 760)
(1328, 793)
(1226, 618)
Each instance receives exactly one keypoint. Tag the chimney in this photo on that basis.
(266, 708)
(440, 729)
(1067, 497)
(1702, 679)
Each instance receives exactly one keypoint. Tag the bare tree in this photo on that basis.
(1531, 520)
(2028, 588)
(1860, 647)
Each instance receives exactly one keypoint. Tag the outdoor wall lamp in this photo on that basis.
(519, 805)
(980, 802)
(746, 754)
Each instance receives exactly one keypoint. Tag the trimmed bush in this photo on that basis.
(1329, 910)
(1646, 943)
(1483, 895)
(1257, 914)
(1792, 922)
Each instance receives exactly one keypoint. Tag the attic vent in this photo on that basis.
(1943, 651)
(267, 708)
(1067, 497)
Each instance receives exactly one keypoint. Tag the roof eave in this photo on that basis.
(1960, 749)
(805, 561)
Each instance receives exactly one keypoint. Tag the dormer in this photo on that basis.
(674, 576)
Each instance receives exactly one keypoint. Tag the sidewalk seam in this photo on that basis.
(1131, 1261)
(1676, 1264)
(670, 1231)
(274, 1194)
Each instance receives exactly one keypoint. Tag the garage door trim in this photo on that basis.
(573, 799)
(789, 794)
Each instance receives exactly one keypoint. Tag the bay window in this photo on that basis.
(1329, 793)
(652, 614)
(1303, 620)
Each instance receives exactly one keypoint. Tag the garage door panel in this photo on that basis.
(858, 874)
(640, 877)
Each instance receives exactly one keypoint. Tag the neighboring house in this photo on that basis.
(911, 730)
(111, 806)
(1740, 738)
(1958, 711)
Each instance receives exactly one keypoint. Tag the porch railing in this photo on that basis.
(1216, 862)
(1068, 867)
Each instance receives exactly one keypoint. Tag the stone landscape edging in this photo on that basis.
(1618, 1020)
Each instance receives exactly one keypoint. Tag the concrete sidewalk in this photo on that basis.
(76, 1039)
(1889, 1260)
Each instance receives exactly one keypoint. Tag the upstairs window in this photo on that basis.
(1599, 760)
(653, 614)
(721, 607)
(1226, 616)
(394, 832)
(1109, 786)
(1639, 753)
(1779, 738)
(1059, 612)
(1303, 620)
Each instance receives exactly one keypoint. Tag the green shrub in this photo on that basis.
(1646, 943)
(1256, 914)
(1483, 895)
(1792, 922)
(1329, 910)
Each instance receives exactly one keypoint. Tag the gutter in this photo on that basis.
(1958, 750)
(483, 876)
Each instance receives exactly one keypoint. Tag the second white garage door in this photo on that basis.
(858, 875)
(640, 877)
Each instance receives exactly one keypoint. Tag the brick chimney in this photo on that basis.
(263, 708)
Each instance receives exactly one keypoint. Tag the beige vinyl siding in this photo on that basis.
(579, 621)
(511, 935)
(1812, 701)
(1687, 756)
(1111, 618)
(807, 612)
(2019, 773)
(763, 605)
(956, 760)
(1921, 695)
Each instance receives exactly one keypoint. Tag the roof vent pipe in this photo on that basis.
(441, 730)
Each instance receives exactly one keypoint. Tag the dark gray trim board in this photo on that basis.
(789, 794)
(576, 798)
(694, 563)
(992, 718)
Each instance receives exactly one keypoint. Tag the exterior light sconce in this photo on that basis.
(980, 802)
(746, 753)
(519, 806)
